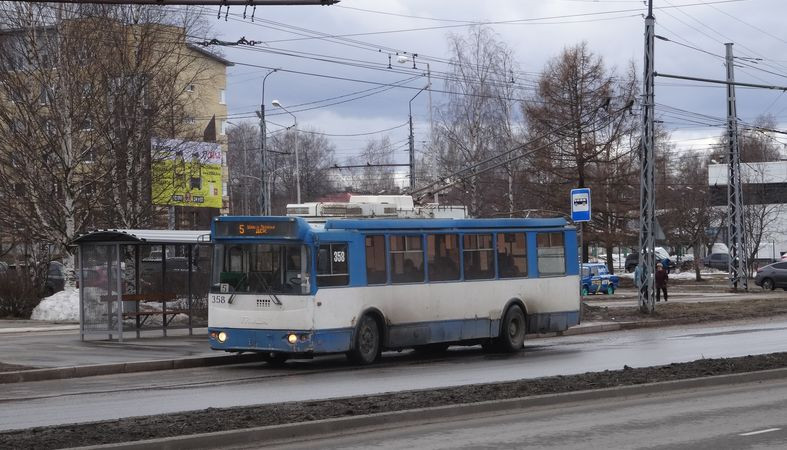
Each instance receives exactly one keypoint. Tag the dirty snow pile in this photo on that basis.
(62, 306)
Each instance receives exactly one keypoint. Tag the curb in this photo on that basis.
(59, 373)
(341, 426)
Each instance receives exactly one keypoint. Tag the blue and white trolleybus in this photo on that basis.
(288, 287)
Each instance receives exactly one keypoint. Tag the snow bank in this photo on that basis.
(62, 306)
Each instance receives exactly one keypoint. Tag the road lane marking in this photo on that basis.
(752, 433)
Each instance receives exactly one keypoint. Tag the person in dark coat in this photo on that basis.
(661, 282)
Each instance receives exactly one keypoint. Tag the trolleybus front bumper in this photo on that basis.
(282, 341)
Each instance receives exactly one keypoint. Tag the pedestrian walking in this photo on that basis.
(661, 282)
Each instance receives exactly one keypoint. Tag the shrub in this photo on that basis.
(19, 294)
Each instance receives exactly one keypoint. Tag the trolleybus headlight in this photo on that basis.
(222, 336)
(292, 338)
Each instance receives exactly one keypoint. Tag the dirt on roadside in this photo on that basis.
(13, 367)
(681, 313)
(212, 420)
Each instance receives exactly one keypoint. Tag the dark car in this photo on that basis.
(772, 276)
(55, 275)
(55, 278)
(720, 261)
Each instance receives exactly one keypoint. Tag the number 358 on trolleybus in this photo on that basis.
(288, 287)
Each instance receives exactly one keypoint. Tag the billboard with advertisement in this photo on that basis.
(186, 173)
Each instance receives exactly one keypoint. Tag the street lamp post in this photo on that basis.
(264, 207)
(278, 104)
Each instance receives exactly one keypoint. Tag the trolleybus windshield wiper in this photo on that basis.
(269, 290)
(236, 286)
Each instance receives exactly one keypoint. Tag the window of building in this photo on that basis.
(511, 255)
(190, 88)
(86, 125)
(551, 254)
(478, 256)
(223, 97)
(332, 265)
(442, 252)
(223, 127)
(189, 121)
(407, 259)
(19, 189)
(375, 260)
(224, 187)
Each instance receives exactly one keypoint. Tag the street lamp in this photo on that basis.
(278, 104)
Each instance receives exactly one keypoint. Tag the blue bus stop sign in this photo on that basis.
(580, 205)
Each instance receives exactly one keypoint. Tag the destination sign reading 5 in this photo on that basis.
(259, 229)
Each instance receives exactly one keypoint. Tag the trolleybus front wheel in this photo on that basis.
(367, 342)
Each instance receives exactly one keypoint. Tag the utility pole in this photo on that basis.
(735, 230)
(265, 207)
(647, 201)
(412, 140)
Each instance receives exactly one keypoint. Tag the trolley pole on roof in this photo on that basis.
(738, 267)
(647, 210)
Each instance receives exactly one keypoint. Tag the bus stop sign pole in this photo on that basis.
(580, 213)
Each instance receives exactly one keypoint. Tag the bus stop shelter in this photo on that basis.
(141, 280)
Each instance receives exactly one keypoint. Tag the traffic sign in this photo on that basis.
(580, 205)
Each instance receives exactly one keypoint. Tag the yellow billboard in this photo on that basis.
(186, 173)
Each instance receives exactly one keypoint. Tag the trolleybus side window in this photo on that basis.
(375, 260)
(332, 265)
(478, 256)
(551, 254)
(443, 256)
(407, 259)
(512, 255)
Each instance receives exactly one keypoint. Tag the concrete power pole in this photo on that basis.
(736, 235)
(647, 201)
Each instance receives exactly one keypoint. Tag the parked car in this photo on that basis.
(772, 276)
(720, 261)
(597, 279)
(55, 276)
(632, 259)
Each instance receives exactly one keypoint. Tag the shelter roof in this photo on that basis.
(144, 236)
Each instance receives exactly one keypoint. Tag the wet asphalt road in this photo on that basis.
(728, 417)
(108, 397)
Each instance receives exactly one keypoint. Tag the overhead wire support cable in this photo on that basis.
(709, 80)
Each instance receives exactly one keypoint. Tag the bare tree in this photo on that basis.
(689, 207)
(316, 157)
(581, 113)
(377, 178)
(85, 88)
(477, 121)
(243, 163)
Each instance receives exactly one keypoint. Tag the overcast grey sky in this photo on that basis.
(536, 30)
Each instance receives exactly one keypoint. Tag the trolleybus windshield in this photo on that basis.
(260, 269)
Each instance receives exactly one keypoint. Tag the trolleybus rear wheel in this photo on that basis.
(512, 330)
(367, 342)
